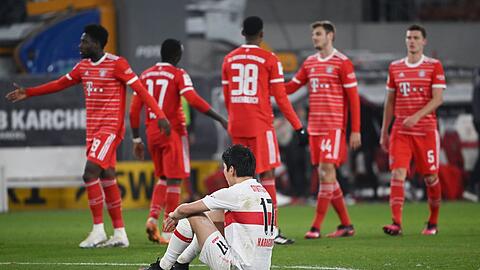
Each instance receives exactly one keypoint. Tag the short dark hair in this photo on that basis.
(327, 25)
(252, 26)
(97, 33)
(241, 159)
(171, 48)
(417, 27)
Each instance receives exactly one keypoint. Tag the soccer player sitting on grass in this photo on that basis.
(104, 77)
(248, 225)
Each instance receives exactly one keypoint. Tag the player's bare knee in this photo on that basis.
(430, 178)
(399, 174)
(267, 174)
(327, 172)
(173, 181)
(92, 171)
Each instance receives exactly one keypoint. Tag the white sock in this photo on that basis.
(180, 240)
(190, 252)
(98, 227)
(120, 232)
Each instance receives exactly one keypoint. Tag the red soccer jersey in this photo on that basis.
(413, 85)
(166, 83)
(250, 75)
(332, 84)
(104, 87)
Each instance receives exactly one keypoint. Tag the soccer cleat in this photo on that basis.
(180, 266)
(430, 229)
(392, 229)
(342, 231)
(313, 233)
(153, 266)
(94, 239)
(282, 240)
(153, 233)
(117, 240)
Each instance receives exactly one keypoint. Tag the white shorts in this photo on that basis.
(216, 253)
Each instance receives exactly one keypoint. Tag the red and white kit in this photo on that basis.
(249, 228)
(250, 75)
(332, 88)
(104, 84)
(167, 84)
(413, 84)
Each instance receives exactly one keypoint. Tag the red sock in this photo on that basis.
(158, 198)
(269, 185)
(95, 200)
(397, 197)
(324, 197)
(434, 194)
(338, 204)
(114, 202)
(172, 198)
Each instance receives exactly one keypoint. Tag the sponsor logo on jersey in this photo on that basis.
(351, 75)
(312, 70)
(440, 77)
(433, 167)
(86, 73)
(401, 75)
(128, 71)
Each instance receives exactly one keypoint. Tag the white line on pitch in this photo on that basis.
(144, 264)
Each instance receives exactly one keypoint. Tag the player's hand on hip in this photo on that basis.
(139, 150)
(355, 140)
(384, 142)
(164, 125)
(16, 95)
(169, 223)
(410, 121)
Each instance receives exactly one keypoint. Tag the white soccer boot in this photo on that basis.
(95, 237)
(118, 239)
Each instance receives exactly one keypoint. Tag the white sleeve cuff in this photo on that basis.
(132, 80)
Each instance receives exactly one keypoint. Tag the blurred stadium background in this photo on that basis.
(42, 140)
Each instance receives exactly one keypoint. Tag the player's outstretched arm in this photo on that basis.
(21, 93)
(17, 95)
(278, 92)
(201, 105)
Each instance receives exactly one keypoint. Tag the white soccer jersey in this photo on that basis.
(249, 222)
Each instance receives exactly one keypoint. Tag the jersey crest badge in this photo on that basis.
(102, 72)
(421, 73)
(329, 69)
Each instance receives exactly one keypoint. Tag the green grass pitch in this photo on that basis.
(49, 240)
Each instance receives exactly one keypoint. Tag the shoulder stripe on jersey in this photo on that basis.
(224, 82)
(350, 85)
(185, 90)
(132, 80)
(277, 80)
(295, 80)
(68, 76)
(439, 86)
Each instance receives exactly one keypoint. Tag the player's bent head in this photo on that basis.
(328, 26)
(97, 33)
(252, 26)
(171, 50)
(241, 159)
(416, 27)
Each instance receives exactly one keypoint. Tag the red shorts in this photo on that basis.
(328, 147)
(264, 148)
(102, 149)
(170, 155)
(423, 148)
